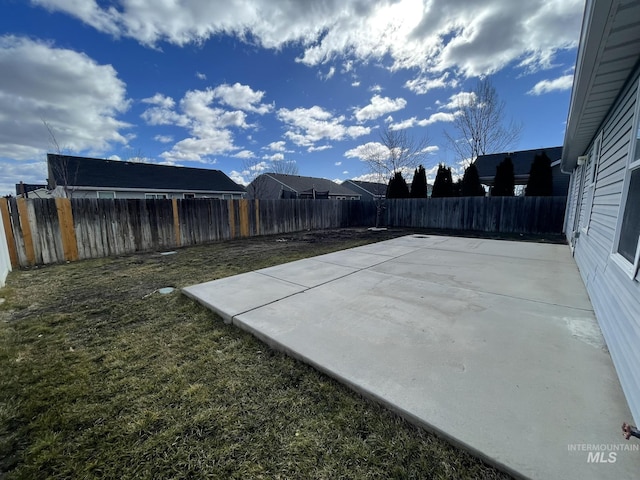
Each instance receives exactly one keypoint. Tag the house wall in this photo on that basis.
(140, 195)
(615, 296)
(560, 181)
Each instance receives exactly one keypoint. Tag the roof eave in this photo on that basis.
(595, 26)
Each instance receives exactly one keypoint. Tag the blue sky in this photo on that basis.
(242, 84)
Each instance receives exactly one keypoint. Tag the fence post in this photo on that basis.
(244, 217)
(67, 229)
(8, 233)
(176, 221)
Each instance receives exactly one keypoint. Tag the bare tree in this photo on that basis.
(137, 157)
(396, 152)
(60, 169)
(252, 169)
(285, 167)
(480, 126)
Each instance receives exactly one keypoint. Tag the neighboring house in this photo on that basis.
(522, 161)
(602, 154)
(31, 190)
(87, 177)
(280, 186)
(367, 190)
(373, 190)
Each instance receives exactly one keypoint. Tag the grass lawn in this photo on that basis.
(103, 377)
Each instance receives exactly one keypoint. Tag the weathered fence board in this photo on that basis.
(532, 215)
(41, 231)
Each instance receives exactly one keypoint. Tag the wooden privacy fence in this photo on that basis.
(532, 215)
(42, 231)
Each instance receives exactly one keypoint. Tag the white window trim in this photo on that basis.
(630, 269)
(592, 172)
(105, 191)
(163, 196)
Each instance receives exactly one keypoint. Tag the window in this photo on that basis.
(106, 194)
(628, 232)
(155, 196)
(189, 195)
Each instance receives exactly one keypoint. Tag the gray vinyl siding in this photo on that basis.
(615, 297)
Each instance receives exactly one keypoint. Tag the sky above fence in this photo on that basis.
(242, 85)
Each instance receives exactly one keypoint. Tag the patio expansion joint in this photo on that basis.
(504, 295)
(305, 287)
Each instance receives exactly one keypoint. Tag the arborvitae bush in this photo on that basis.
(443, 185)
(419, 183)
(540, 181)
(504, 183)
(397, 187)
(471, 186)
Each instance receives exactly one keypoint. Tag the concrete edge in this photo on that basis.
(226, 318)
(409, 417)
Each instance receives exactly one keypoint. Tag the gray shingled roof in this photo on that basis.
(95, 172)
(300, 184)
(372, 188)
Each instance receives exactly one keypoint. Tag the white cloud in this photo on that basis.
(379, 106)
(209, 125)
(345, 172)
(163, 138)
(242, 97)
(368, 150)
(239, 177)
(160, 100)
(557, 84)
(201, 76)
(277, 146)
(423, 84)
(330, 73)
(368, 177)
(79, 99)
(431, 149)
(375, 88)
(457, 100)
(276, 157)
(34, 172)
(408, 123)
(433, 118)
(245, 154)
(337, 164)
(468, 38)
(319, 149)
(310, 125)
(355, 84)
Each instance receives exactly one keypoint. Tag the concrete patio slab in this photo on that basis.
(308, 273)
(478, 347)
(353, 258)
(230, 296)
